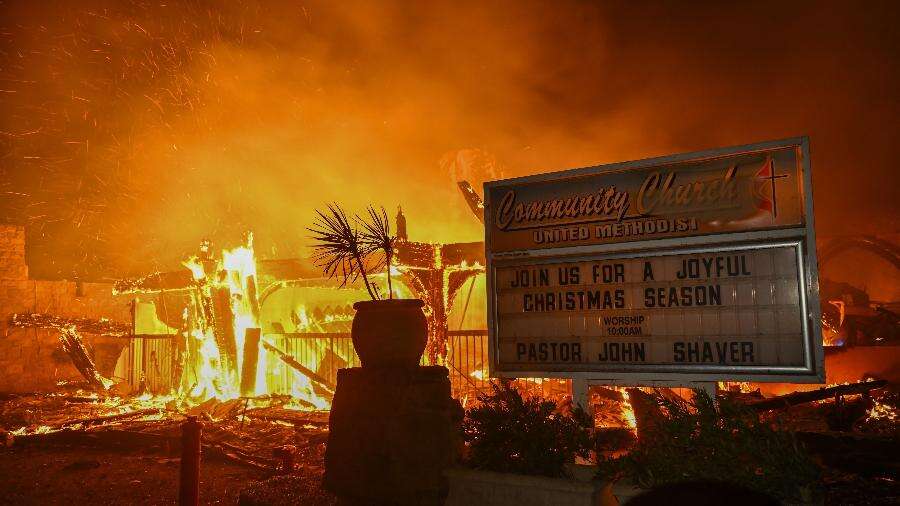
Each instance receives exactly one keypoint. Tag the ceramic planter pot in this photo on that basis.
(389, 333)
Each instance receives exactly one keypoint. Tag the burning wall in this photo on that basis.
(32, 359)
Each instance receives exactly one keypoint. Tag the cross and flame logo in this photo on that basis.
(764, 188)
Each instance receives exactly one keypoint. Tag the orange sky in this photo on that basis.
(133, 130)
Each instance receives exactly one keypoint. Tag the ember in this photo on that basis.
(143, 141)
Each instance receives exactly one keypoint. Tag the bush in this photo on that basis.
(724, 442)
(510, 434)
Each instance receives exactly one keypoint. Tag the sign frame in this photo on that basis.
(801, 237)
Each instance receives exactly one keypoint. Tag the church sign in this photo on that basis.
(694, 267)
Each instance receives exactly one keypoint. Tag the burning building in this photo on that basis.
(229, 325)
(133, 130)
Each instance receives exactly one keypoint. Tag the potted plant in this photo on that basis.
(386, 332)
(522, 451)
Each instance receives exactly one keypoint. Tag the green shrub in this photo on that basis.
(709, 441)
(510, 434)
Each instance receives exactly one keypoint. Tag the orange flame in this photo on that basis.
(236, 270)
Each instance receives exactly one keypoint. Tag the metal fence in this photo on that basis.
(467, 360)
(151, 361)
(323, 353)
(147, 364)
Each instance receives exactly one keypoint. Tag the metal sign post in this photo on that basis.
(687, 269)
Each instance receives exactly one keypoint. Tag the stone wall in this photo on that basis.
(32, 360)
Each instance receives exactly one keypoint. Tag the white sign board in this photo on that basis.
(591, 281)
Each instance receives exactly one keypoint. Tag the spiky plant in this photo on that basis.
(339, 247)
(376, 238)
(509, 433)
(705, 440)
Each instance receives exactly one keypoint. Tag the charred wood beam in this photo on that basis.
(292, 416)
(792, 399)
(303, 271)
(472, 199)
(252, 297)
(224, 451)
(287, 269)
(223, 328)
(80, 325)
(156, 282)
(297, 366)
(457, 253)
(108, 418)
(251, 357)
(103, 437)
(74, 347)
(105, 328)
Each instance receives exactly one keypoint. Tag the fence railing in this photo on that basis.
(147, 364)
(151, 361)
(467, 361)
(323, 353)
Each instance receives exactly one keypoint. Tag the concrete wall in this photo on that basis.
(32, 360)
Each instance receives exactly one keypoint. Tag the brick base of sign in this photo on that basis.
(487, 488)
(392, 433)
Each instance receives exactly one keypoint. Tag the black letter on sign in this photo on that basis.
(678, 350)
(648, 271)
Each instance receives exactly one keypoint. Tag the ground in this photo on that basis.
(76, 449)
(135, 460)
(82, 476)
(75, 475)
(86, 476)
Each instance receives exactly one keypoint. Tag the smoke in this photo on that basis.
(132, 129)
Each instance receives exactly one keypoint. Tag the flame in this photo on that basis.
(210, 380)
(615, 413)
(831, 330)
(627, 412)
(104, 406)
(240, 266)
(882, 412)
(744, 387)
(304, 322)
(301, 388)
(196, 268)
(40, 429)
(206, 372)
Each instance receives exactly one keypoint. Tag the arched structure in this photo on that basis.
(872, 244)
